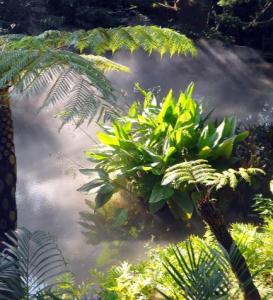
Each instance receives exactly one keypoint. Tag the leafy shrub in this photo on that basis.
(137, 149)
(144, 280)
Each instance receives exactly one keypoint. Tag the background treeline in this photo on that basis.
(245, 22)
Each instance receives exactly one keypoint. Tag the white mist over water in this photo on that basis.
(233, 80)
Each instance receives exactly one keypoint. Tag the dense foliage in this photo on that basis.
(31, 64)
(246, 22)
(138, 148)
(150, 278)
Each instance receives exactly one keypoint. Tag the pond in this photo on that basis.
(233, 80)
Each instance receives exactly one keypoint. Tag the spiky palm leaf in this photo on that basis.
(200, 276)
(200, 172)
(32, 64)
(29, 264)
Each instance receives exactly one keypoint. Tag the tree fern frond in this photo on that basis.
(105, 64)
(201, 172)
(33, 63)
(100, 40)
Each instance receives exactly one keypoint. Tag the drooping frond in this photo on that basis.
(100, 40)
(105, 64)
(33, 63)
(202, 173)
(29, 265)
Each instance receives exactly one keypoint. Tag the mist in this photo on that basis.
(234, 80)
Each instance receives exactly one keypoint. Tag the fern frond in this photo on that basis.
(105, 64)
(33, 63)
(101, 40)
(200, 172)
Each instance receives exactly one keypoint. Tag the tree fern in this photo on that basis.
(200, 172)
(31, 64)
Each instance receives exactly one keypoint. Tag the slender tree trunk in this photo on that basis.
(212, 216)
(8, 210)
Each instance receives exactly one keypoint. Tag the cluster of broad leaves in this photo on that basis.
(138, 148)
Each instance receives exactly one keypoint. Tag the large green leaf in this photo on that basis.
(102, 199)
(160, 192)
(184, 201)
(92, 187)
(107, 139)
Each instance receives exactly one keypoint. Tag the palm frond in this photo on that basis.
(29, 264)
(203, 275)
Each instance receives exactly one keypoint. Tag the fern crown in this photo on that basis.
(56, 59)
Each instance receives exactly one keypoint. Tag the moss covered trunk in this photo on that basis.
(8, 210)
(212, 216)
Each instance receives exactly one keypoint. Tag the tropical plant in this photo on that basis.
(200, 276)
(200, 175)
(264, 206)
(29, 265)
(143, 280)
(138, 148)
(61, 62)
(143, 152)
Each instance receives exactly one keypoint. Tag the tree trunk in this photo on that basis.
(212, 216)
(8, 210)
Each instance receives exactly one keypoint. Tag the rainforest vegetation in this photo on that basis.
(161, 165)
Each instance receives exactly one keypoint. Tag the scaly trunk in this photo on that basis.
(8, 210)
(212, 216)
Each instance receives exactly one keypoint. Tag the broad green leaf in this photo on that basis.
(132, 113)
(169, 153)
(160, 193)
(107, 139)
(94, 173)
(119, 132)
(183, 200)
(167, 108)
(241, 136)
(156, 206)
(121, 217)
(106, 189)
(225, 149)
(204, 152)
(102, 199)
(190, 89)
(92, 186)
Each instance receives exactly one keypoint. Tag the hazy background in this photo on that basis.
(233, 80)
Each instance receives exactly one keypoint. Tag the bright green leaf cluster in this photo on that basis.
(138, 148)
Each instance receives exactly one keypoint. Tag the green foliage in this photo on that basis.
(263, 206)
(29, 265)
(31, 64)
(138, 148)
(200, 265)
(203, 275)
(199, 172)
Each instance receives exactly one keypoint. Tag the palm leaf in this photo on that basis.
(29, 265)
(203, 275)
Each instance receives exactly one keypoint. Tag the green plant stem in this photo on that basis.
(212, 216)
